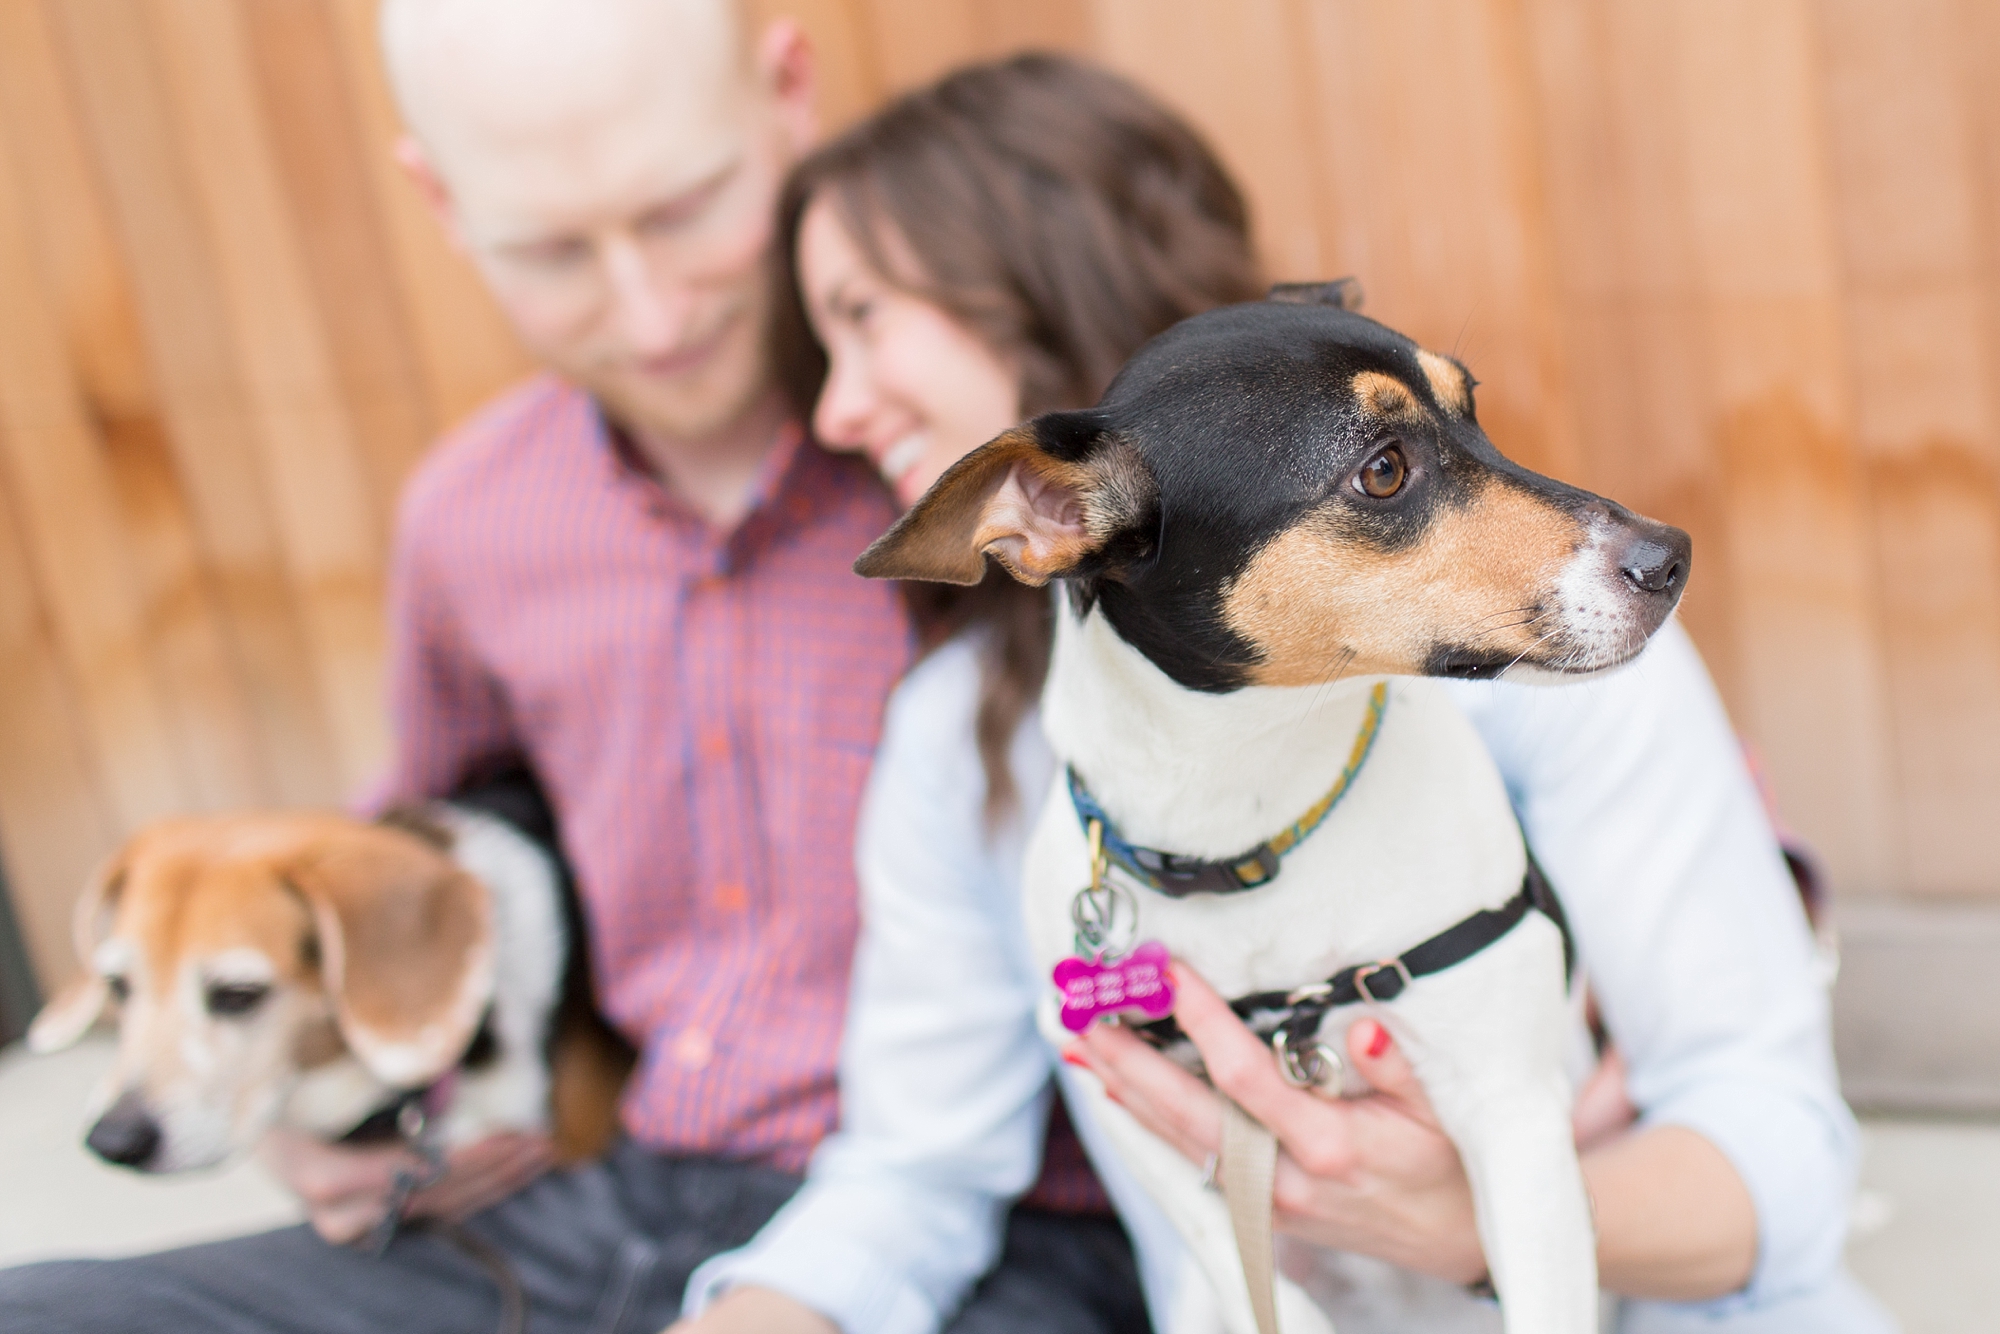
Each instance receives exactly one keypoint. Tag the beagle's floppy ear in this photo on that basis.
(1344, 293)
(1044, 499)
(72, 1010)
(405, 948)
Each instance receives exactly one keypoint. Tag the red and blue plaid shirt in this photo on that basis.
(702, 707)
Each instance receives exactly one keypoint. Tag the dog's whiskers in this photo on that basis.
(1515, 661)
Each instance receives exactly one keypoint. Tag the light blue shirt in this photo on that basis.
(1636, 800)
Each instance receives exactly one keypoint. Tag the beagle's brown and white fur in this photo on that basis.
(309, 970)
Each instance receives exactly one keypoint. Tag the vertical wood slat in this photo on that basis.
(314, 483)
(1626, 285)
(54, 819)
(64, 509)
(1923, 413)
(86, 288)
(302, 91)
(110, 69)
(1770, 305)
(1224, 67)
(1738, 265)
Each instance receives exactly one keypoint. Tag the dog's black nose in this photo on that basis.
(127, 1134)
(1657, 562)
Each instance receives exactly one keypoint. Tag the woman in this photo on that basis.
(993, 247)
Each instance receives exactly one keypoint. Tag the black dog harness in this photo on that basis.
(1296, 1014)
(1292, 1018)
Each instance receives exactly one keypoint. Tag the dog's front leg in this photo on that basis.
(1534, 1218)
(1499, 1091)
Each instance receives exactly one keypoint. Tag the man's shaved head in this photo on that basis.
(612, 166)
(499, 74)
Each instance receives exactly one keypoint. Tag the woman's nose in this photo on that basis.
(840, 418)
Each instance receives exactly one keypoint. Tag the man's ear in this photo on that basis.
(72, 1010)
(405, 948)
(423, 176)
(1342, 293)
(1042, 499)
(789, 68)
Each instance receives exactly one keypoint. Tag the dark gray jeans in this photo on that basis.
(603, 1249)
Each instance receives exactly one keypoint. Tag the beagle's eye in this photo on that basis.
(119, 986)
(230, 999)
(1383, 476)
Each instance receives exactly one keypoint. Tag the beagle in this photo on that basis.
(1279, 519)
(315, 971)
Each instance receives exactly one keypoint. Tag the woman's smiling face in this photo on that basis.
(907, 383)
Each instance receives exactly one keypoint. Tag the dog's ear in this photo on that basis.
(69, 1013)
(72, 1010)
(405, 949)
(1344, 293)
(1042, 499)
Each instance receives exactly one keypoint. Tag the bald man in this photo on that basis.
(631, 572)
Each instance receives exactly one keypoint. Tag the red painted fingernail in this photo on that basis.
(1379, 1043)
(1071, 1056)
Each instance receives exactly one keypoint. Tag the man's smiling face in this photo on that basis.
(612, 169)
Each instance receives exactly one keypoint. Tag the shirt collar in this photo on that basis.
(786, 495)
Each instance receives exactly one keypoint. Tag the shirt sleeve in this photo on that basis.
(449, 715)
(944, 1079)
(1636, 799)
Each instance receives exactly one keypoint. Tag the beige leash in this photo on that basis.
(1249, 1171)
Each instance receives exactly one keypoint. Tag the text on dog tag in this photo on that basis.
(1138, 981)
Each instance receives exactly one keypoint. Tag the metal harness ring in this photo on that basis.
(1313, 1065)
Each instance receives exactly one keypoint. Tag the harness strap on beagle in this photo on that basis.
(1176, 875)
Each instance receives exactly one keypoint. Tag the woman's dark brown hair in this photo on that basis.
(1065, 217)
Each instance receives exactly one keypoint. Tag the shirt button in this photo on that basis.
(732, 897)
(692, 1049)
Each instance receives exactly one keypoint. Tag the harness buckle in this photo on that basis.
(1260, 868)
(1396, 969)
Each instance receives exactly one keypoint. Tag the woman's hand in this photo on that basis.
(1371, 1174)
(753, 1310)
(346, 1188)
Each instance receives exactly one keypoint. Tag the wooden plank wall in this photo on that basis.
(1732, 261)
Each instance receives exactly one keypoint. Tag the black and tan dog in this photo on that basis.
(1276, 507)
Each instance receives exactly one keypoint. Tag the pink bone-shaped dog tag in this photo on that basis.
(1137, 981)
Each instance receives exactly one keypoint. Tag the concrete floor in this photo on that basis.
(1926, 1223)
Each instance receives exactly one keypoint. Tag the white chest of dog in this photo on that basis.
(1422, 839)
(1277, 506)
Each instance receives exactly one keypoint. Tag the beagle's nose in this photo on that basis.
(126, 1135)
(1657, 561)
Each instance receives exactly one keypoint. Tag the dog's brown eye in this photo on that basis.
(1383, 475)
(119, 987)
(235, 998)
